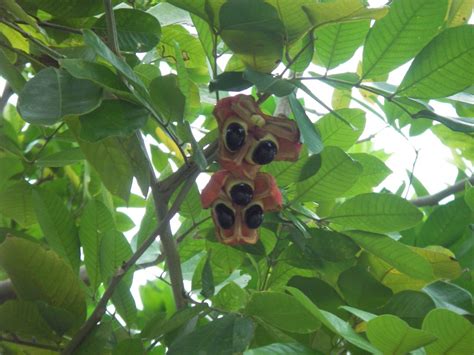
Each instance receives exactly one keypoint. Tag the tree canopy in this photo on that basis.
(110, 106)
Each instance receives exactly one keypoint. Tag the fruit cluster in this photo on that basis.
(240, 194)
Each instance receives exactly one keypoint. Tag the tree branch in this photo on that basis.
(432, 200)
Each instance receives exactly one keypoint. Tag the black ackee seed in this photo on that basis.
(225, 216)
(234, 136)
(241, 194)
(265, 152)
(254, 216)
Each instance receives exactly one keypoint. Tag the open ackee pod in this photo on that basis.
(248, 138)
(238, 205)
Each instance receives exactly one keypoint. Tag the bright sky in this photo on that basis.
(433, 166)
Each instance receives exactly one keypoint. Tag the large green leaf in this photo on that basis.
(360, 289)
(114, 251)
(450, 296)
(407, 28)
(379, 213)
(411, 306)
(392, 335)
(281, 348)
(394, 253)
(374, 171)
(445, 224)
(254, 31)
(337, 133)
(69, 8)
(323, 13)
(168, 98)
(454, 332)
(98, 73)
(332, 322)
(57, 225)
(112, 118)
(287, 173)
(336, 43)
(282, 311)
(137, 31)
(444, 67)
(61, 158)
(41, 275)
(337, 174)
(96, 220)
(227, 335)
(331, 246)
(309, 135)
(268, 83)
(53, 94)
(24, 319)
(230, 298)
(17, 204)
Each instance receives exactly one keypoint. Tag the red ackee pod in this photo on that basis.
(248, 138)
(238, 205)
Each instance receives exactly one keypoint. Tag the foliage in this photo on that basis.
(106, 98)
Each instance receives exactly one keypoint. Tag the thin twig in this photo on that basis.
(47, 140)
(432, 200)
(25, 55)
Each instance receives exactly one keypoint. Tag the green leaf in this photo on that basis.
(459, 12)
(341, 11)
(454, 333)
(36, 273)
(457, 140)
(97, 73)
(158, 326)
(455, 123)
(332, 322)
(298, 57)
(374, 171)
(281, 348)
(112, 118)
(167, 98)
(53, 94)
(282, 311)
(309, 135)
(61, 158)
(229, 81)
(365, 316)
(96, 220)
(137, 31)
(377, 212)
(231, 298)
(392, 335)
(360, 289)
(407, 28)
(337, 174)
(267, 83)
(69, 8)
(207, 279)
(207, 38)
(24, 319)
(11, 74)
(450, 296)
(253, 30)
(57, 225)
(227, 335)
(129, 347)
(411, 306)
(331, 246)
(17, 203)
(337, 133)
(443, 67)
(394, 253)
(125, 303)
(114, 251)
(336, 43)
(445, 224)
(116, 160)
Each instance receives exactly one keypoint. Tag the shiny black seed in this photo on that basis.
(254, 216)
(225, 216)
(234, 136)
(264, 153)
(241, 194)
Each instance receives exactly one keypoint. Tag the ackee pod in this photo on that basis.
(235, 133)
(263, 151)
(253, 216)
(225, 216)
(241, 193)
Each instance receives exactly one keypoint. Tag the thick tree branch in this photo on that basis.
(432, 200)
